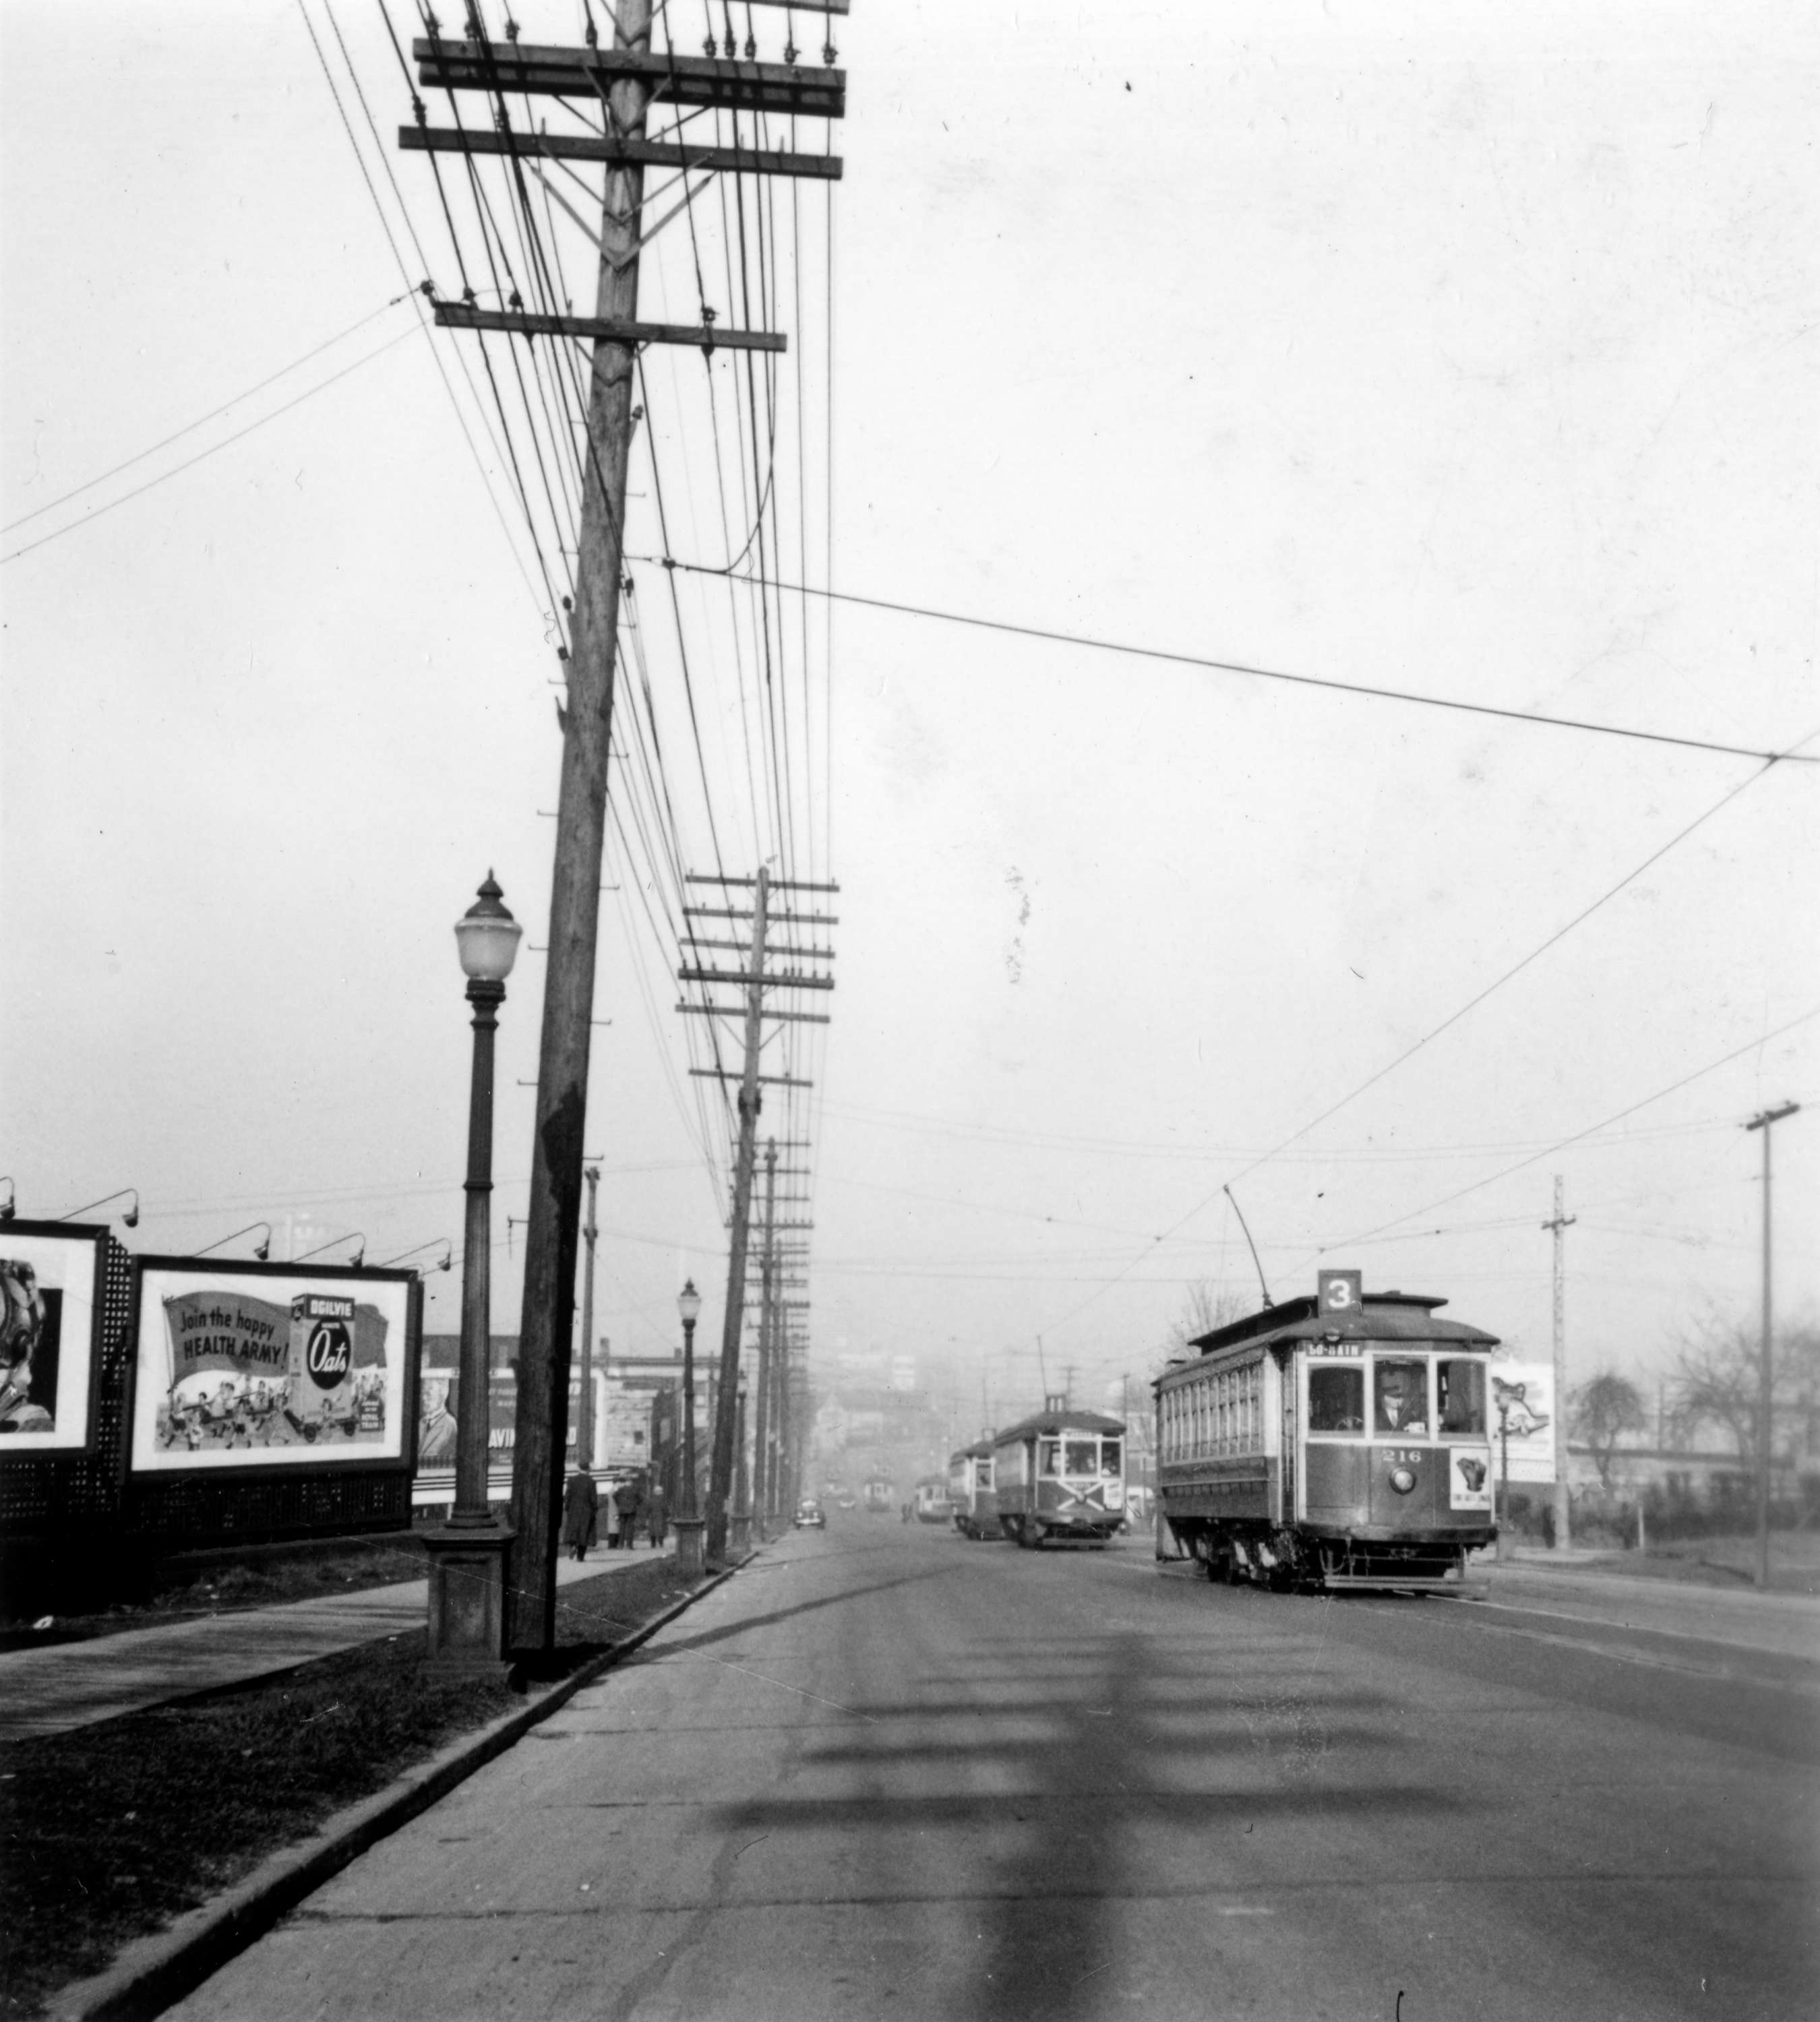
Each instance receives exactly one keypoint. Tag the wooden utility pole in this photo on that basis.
(754, 979)
(626, 79)
(1766, 1367)
(584, 1428)
(1561, 1222)
(763, 1415)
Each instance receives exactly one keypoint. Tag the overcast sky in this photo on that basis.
(1453, 349)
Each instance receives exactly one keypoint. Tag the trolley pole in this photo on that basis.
(1559, 1224)
(1765, 1371)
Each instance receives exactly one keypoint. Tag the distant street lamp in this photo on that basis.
(688, 1525)
(467, 1587)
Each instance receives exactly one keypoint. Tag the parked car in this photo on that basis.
(809, 1516)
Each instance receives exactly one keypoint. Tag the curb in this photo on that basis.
(152, 1973)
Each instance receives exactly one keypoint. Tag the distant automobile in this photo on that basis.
(809, 1517)
(846, 1502)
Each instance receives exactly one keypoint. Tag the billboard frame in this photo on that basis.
(326, 1461)
(76, 1235)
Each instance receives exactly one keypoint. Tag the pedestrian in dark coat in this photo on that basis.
(626, 1499)
(581, 1502)
(656, 1521)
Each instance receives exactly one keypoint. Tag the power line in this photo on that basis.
(1060, 638)
(227, 442)
(189, 428)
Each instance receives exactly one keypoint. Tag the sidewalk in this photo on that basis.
(73, 1685)
(1784, 1624)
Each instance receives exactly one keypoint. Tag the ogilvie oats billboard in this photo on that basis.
(240, 1366)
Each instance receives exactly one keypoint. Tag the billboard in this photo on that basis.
(50, 1336)
(239, 1366)
(621, 1418)
(1523, 1403)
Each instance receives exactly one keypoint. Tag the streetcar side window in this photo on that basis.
(1402, 1395)
(1049, 1457)
(1336, 1399)
(1108, 1456)
(1462, 1388)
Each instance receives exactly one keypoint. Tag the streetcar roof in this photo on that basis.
(1382, 1316)
(1059, 1421)
(978, 1450)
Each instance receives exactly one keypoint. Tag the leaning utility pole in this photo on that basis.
(755, 979)
(623, 82)
(1563, 1515)
(1765, 1371)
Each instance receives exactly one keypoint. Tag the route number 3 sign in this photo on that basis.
(1341, 1292)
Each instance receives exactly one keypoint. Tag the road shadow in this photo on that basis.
(1037, 1768)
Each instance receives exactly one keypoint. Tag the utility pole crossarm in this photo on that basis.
(619, 329)
(736, 1011)
(610, 148)
(788, 979)
(538, 70)
(774, 884)
(777, 919)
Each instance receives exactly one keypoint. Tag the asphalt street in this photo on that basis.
(884, 1773)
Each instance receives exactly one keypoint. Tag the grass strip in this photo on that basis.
(112, 1831)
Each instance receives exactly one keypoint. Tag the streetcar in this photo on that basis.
(932, 1504)
(970, 1491)
(878, 1493)
(1059, 1476)
(1339, 1441)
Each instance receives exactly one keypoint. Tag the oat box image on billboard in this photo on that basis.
(250, 1367)
(50, 1275)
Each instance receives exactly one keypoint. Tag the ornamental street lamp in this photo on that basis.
(467, 1587)
(688, 1525)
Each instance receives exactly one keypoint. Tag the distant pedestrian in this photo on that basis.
(611, 1513)
(656, 1518)
(626, 1500)
(580, 1510)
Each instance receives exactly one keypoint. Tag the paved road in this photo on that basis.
(885, 1773)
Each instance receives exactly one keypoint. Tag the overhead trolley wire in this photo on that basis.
(1561, 1144)
(1655, 857)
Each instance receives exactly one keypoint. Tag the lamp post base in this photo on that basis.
(690, 1559)
(739, 1535)
(467, 1601)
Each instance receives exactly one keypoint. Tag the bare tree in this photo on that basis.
(1204, 1307)
(1600, 1413)
(1717, 1375)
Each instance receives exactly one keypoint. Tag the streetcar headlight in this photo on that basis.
(1402, 1480)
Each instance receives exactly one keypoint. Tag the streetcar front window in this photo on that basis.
(984, 1473)
(1108, 1456)
(1049, 1457)
(1336, 1400)
(1402, 1397)
(1461, 1390)
(1081, 1457)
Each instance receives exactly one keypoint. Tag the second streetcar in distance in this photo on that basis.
(1332, 1441)
(1058, 1476)
(969, 1489)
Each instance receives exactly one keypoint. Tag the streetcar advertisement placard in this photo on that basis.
(49, 1335)
(243, 1365)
